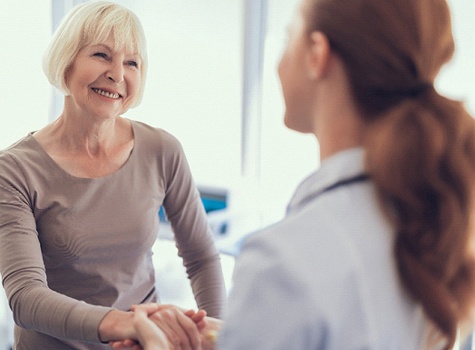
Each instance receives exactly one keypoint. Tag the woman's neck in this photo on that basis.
(339, 136)
(83, 135)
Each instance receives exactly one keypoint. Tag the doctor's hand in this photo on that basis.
(209, 329)
(182, 328)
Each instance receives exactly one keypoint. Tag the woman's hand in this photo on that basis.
(164, 327)
(149, 335)
(208, 327)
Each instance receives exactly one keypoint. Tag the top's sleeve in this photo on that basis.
(34, 305)
(193, 235)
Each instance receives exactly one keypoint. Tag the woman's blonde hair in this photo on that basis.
(89, 24)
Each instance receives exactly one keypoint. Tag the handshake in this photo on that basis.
(168, 327)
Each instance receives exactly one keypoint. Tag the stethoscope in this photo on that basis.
(345, 182)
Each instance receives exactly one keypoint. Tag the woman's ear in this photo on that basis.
(319, 55)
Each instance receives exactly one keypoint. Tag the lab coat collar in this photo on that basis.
(339, 167)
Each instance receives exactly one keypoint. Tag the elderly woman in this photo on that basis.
(79, 198)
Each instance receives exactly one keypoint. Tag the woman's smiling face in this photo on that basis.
(102, 81)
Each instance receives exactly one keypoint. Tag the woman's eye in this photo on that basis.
(133, 64)
(100, 54)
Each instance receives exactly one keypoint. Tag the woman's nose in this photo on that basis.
(116, 72)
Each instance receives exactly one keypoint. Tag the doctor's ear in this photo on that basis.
(319, 55)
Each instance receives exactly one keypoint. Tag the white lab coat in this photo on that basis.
(324, 277)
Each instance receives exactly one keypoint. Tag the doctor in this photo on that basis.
(373, 253)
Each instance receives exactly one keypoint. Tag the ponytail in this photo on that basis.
(421, 155)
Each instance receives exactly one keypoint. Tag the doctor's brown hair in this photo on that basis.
(420, 145)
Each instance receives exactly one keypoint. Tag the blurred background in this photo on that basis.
(212, 82)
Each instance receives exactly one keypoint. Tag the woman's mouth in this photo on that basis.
(106, 93)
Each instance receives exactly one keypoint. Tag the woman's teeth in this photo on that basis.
(106, 94)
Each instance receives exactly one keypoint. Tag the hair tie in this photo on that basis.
(416, 90)
(403, 92)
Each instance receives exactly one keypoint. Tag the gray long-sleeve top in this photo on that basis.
(73, 248)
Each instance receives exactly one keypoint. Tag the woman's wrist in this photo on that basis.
(116, 325)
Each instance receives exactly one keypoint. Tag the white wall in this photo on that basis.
(457, 79)
(24, 91)
(193, 86)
